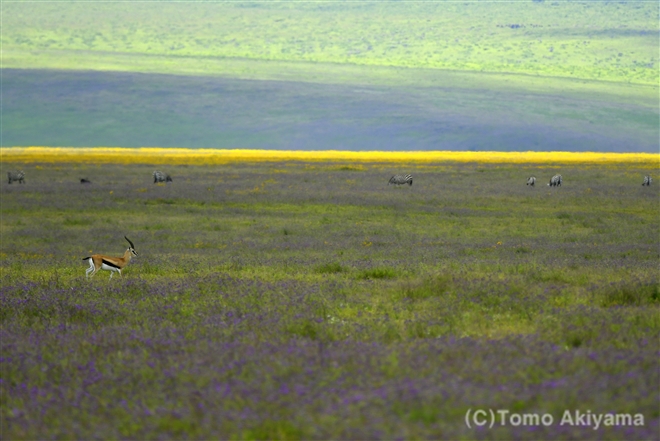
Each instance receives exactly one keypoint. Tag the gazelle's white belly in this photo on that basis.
(109, 268)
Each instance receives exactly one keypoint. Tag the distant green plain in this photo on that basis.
(615, 42)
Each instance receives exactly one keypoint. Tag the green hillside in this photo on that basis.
(586, 40)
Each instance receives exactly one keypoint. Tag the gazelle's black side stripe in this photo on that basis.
(110, 264)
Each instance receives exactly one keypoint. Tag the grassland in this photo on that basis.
(294, 295)
(308, 300)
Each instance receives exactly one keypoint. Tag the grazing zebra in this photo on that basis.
(647, 181)
(85, 181)
(159, 176)
(531, 181)
(16, 176)
(400, 180)
(555, 181)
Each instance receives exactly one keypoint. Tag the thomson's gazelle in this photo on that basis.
(109, 263)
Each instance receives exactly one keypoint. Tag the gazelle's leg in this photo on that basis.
(91, 269)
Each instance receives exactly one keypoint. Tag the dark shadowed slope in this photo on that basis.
(69, 108)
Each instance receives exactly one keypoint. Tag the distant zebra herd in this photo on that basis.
(555, 181)
(19, 176)
(159, 177)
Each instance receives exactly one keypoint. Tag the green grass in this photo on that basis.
(591, 41)
(466, 227)
(303, 301)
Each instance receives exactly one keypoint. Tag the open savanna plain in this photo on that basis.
(307, 299)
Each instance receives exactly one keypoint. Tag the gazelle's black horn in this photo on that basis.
(129, 241)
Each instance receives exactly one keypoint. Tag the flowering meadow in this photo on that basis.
(185, 156)
(305, 298)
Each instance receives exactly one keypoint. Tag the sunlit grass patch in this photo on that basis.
(378, 273)
(432, 286)
(330, 268)
(74, 222)
(628, 294)
(358, 167)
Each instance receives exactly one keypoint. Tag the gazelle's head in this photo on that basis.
(132, 247)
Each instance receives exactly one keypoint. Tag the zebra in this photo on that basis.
(555, 181)
(401, 179)
(647, 181)
(16, 176)
(531, 181)
(159, 176)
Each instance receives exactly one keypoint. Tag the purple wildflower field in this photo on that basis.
(313, 301)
